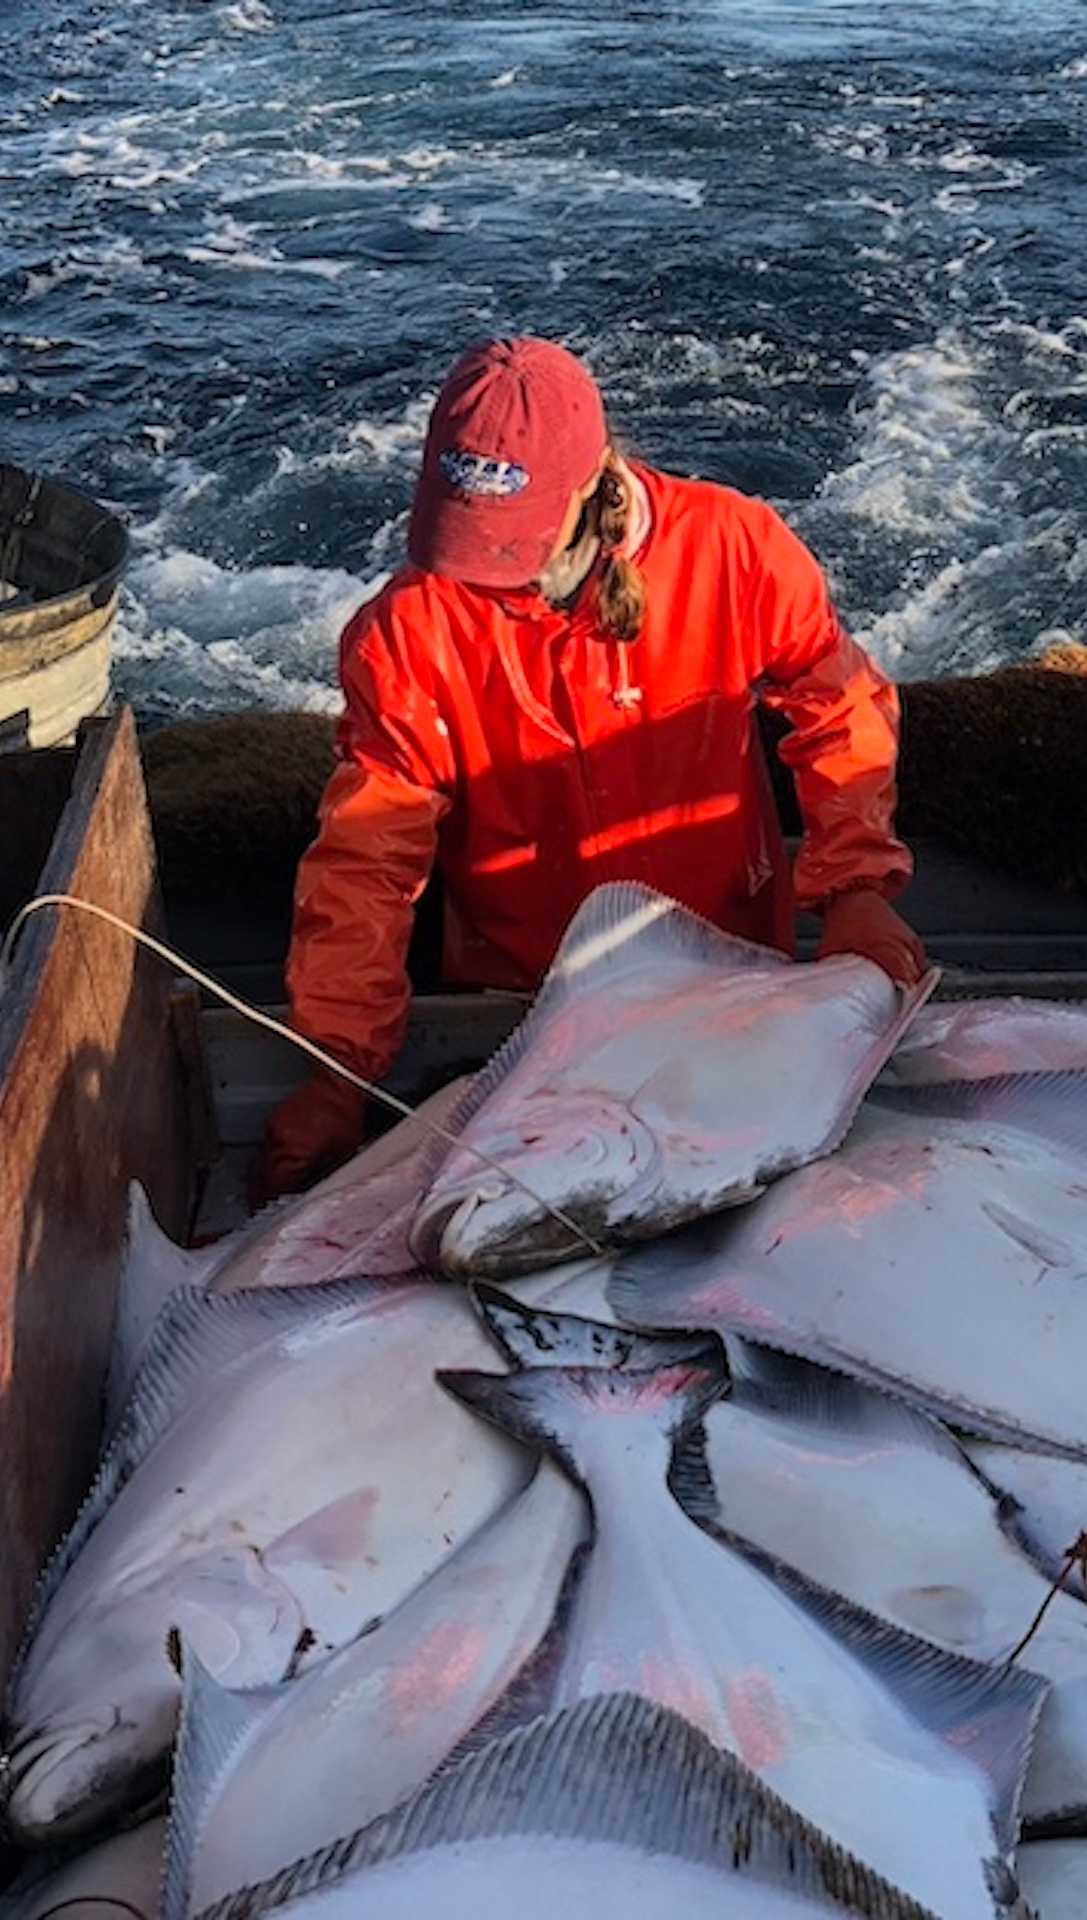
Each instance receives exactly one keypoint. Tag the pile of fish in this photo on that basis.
(680, 1561)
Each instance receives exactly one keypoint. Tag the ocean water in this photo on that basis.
(830, 251)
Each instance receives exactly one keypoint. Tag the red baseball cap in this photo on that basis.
(517, 428)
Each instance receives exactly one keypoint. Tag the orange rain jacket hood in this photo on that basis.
(536, 757)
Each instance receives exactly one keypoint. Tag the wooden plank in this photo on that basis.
(225, 1205)
(34, 790)
(195, 1073)
(451, 1033)
(251, 1069)
(88, 1100)
(968, 983)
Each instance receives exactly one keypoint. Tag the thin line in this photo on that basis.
(299, 1040)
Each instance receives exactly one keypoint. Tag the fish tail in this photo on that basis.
(555, 1407)
(541, 1337)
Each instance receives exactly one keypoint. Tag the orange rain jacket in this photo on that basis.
(537, 757)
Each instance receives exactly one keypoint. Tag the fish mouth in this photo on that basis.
(502, 1223)
(61, 1783)
(469, 1233)
(442, 1216)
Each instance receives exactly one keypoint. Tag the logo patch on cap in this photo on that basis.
(480, 473)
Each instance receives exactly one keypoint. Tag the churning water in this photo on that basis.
(831, 251)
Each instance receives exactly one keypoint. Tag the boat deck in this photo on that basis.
(989, 933)
(110, 1070)
(972, 919)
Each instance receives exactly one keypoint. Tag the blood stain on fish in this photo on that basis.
(758, 1721)
(443, 1664)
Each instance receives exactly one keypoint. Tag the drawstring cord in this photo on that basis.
(626, 696)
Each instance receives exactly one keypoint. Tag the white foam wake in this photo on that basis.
(938, 485)
(926, 449)
(193, 635)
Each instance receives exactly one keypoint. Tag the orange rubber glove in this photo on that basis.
(311, 1133)
(864, 923)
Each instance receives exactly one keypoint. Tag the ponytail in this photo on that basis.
(621, 592)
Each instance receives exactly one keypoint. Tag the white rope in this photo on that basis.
(261, 1019)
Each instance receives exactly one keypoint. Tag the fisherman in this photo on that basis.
(558, 691)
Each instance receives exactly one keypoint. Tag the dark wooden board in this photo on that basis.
(34, 787)
(90, 1097)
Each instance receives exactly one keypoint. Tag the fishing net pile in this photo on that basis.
(657, 1491)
